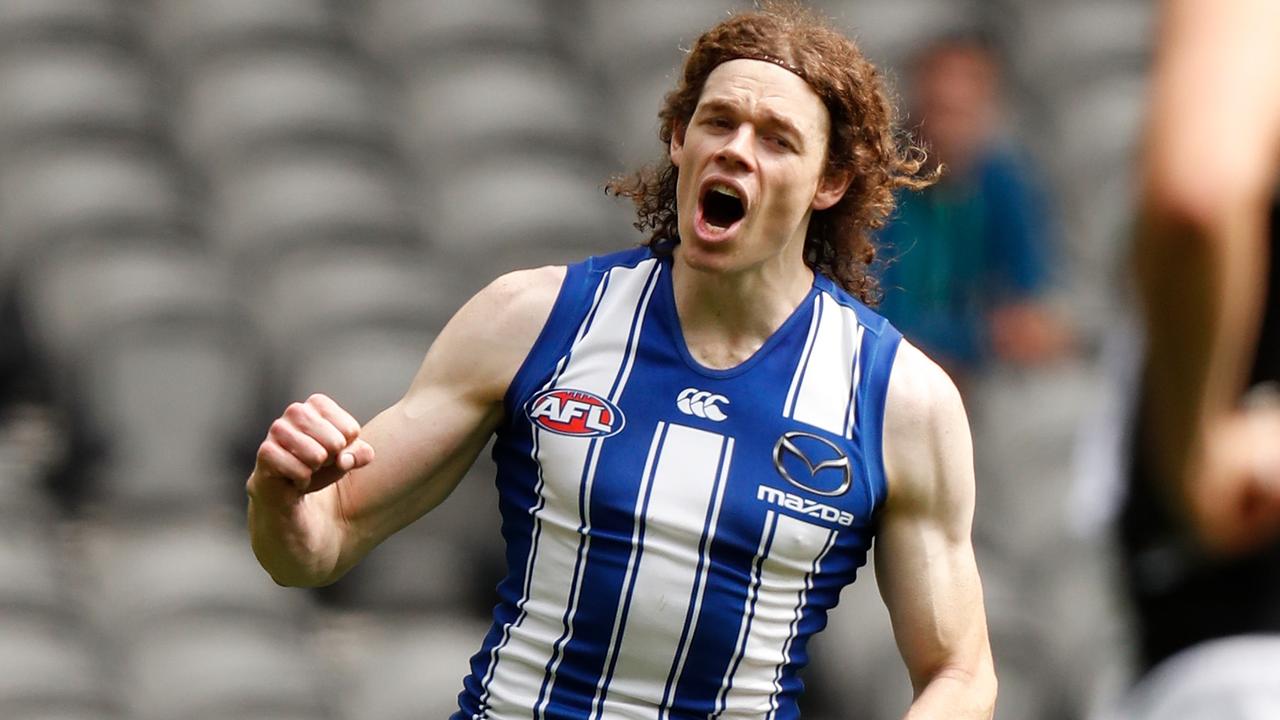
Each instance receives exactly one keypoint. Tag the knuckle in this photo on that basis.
(349, 427)
(295, 411)
(315, 456)
(333, 443)
(318, 399)
(279, 428)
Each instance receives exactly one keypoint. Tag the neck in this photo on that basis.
(726, 317)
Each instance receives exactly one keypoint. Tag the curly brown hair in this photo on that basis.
(865, 140)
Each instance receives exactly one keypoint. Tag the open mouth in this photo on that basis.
(721, 206)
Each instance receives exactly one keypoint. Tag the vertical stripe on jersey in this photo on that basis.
(815, 318)
(748, 612)
(792, 552)
(851, 411)
(519, 684)
(628, 581)
(704, 566)
(795, 623)
(537, 509)
(688, 478)
(822, 386)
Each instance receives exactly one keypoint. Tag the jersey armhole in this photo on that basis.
(879, 369)
(554, 338)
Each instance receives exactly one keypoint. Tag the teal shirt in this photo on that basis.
(959, 248)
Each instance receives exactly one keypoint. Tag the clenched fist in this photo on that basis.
(310, 446)
(1233, 492)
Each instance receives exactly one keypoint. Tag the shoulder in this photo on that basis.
(927, 448)
(483, 345)
(517, 299)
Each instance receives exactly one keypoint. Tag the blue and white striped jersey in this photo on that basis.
(675, 534)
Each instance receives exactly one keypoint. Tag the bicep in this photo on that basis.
(924, 555)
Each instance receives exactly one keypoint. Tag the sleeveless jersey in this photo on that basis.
(675, 533)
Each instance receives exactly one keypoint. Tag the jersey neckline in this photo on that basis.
(671, 317)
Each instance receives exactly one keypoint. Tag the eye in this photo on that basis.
(781, 142)
(719, 121)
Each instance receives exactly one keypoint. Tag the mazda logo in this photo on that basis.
(824, 457)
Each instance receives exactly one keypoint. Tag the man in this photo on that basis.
(689, 434)
(1202, 525)
(971, 254)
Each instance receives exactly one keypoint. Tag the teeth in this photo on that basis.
(724, 190)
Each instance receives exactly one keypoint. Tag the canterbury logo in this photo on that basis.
(700, 403)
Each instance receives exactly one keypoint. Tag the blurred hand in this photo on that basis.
(1028, 333)
(1232, 492)
(310, 446)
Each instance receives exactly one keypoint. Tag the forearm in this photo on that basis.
(296, 540)
(956, 695)
(1213, 141)
(1203, 293)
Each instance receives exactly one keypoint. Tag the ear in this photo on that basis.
(676, 149)
(831, 188)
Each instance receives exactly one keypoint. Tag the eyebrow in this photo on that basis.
(771, 118)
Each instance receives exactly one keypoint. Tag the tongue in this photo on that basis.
(721, 210)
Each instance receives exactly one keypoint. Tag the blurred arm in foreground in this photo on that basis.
(1210, 165)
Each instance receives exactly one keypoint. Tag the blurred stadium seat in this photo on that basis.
(364, 368)
(325, 304)
(193, 564)
(46, 660)
(326, 290)
(212, 664)
(35, 576)
(237, 103)
(1062, 44)
(622, 35)
(59, 710)
(889, 30)
(473, 105)
(188, 31)
(412, 669)
(51, 191)
(63, 89)
(169, 397)
(308, 196)
(518, 207)
(24, 20)
(84, 289)
(399, 29)
(421, 571)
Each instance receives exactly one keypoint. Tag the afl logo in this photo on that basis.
(576, 413)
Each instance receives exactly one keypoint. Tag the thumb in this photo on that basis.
(356, 455)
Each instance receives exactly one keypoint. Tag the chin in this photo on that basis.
(708, 257)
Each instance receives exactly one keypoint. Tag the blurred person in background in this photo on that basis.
(688, 433)
(1201, 529)
(969, 259)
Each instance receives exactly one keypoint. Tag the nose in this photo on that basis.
(736, 154)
